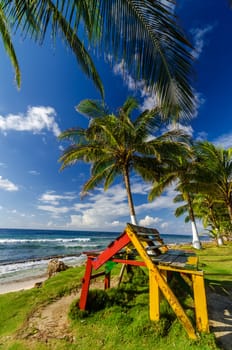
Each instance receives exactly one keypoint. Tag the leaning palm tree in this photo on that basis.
(143, 35)
(117, 145)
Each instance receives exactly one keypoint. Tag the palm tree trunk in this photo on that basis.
(215, 224)
(129, 196)
(230, 211)
(196, 241)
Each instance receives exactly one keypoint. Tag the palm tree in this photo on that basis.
(191, 217)
(218, 164)
(182, 171)
(144, 34)
(117, 145)
(213, 214)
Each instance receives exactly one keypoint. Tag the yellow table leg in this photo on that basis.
(157, 280)
(154, 296)
(200, 303)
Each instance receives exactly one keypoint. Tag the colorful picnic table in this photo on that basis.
(160, 261)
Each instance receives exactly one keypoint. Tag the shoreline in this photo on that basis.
(21, 284)
(25, 283)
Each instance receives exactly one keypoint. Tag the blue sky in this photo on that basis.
(33, 192)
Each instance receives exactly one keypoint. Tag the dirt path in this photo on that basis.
(220, 318)
(52, 321)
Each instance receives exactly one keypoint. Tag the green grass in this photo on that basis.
(217, 265)
(119, 318)
(16, 307)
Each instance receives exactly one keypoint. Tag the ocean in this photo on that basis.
(25, 253)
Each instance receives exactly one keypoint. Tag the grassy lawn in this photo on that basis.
(119, 318)
(217, 265)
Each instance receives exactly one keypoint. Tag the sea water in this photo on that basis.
(25, 253)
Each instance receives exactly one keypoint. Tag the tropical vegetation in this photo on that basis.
(203, 181)
(143, 35)
(182, 172)
(120, 144)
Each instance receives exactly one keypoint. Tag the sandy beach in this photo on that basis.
(21, 284)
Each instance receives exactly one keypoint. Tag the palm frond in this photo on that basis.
(6, 39)
(159, 186)
(36, 18)
(111, 176)
(178, 198)
(74, 153)
(181, 210)
(146, 166)
(92, 109)
(129, 105)
(145, 35)
(100, 173)
(74, 135)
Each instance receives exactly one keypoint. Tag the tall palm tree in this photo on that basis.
(183, 172)
(144, 34)
(117, 145)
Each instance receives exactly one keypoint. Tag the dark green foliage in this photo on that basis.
(97, 300)
(75, 313)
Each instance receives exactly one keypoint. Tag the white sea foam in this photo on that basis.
(27, 269)
(45, 240)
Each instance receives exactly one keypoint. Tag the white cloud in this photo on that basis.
(201, 136)
(108, 210)
(7, 185)
(103, 210)
(224, 141)
(149, 101)
(164, 225)
(54, 199)
(51, 203)
(33, 172)
(199, 39)
(36, 120)
(178, 126)
(199, 101)
(55, 211)
(149, 221)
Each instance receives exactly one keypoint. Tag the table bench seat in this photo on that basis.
(177, 259)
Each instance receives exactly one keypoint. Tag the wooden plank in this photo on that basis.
(200, 304)
(85, 285)
(111, 250)
(145, 238)
(177, 258)
(156, 246)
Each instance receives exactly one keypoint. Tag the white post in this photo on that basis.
(133, 220)
(196, 241)
(220, 240)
